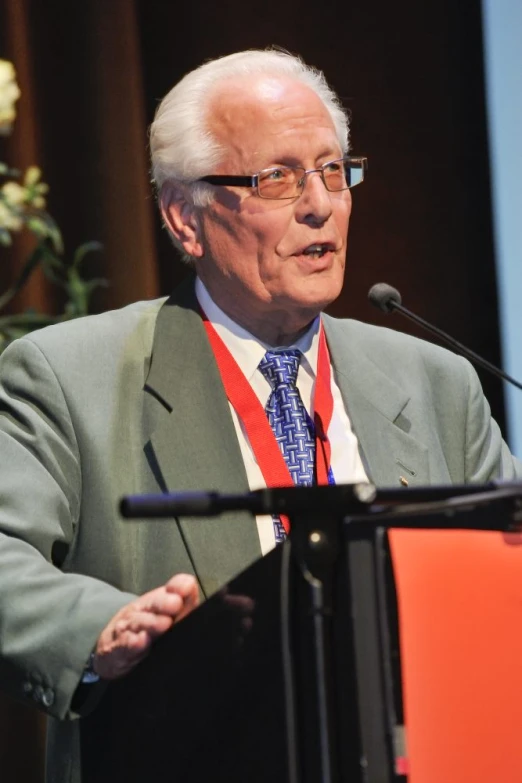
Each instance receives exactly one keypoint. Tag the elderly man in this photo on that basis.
(250, 158)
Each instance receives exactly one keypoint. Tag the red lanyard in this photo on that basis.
(252, 414)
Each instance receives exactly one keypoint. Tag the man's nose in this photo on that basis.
(315, 203)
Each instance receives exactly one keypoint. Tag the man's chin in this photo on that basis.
(302, 311)
(318, 291)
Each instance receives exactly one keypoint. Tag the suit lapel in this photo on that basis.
(378, 411)
(193, 444)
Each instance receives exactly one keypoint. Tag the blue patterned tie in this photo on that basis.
(290, 422)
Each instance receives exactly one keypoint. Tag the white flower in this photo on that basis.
(9, 94)
(32, 175)
(8, 219)
(20, 198)
(35, 190)
(14, 194)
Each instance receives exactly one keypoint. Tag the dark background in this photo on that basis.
(411, 74)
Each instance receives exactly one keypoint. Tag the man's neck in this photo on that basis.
(274, 329)
(270, 333)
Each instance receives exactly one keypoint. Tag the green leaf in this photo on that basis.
(96, 282)
(37, 225)
(26, 321)
(49, 255)
(85, 249)
(44, 226)
(30, 265)
(5, 237)
(6, 171)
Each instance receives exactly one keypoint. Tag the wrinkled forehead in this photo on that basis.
(261, 87)
(250, 116)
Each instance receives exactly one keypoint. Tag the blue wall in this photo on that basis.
(503, 56)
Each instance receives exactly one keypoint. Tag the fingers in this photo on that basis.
(158, 602)
(135, 623)
(127, 637)
(119, 650)
(182, 584)
(186, 587)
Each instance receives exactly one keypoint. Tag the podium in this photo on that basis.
(380, 644)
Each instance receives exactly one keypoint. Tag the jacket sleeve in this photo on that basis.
(49, 619)
(487, 456)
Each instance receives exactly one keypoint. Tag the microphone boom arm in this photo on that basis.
(387, 299)
(454, 343)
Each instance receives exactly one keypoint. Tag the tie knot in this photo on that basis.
(280, 368)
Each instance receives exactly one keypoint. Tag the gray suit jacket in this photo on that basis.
(132, 401)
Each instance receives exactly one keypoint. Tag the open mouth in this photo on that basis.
(317, 250)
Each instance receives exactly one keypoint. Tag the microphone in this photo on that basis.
(388, 299)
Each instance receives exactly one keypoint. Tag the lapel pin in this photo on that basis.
(404, 481)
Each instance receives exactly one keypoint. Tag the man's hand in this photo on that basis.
(127, 638)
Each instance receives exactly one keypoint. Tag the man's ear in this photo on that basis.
(181, 218)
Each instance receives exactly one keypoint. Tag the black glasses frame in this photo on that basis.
(252, 181)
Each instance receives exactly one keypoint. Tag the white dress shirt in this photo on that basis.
(248, 351)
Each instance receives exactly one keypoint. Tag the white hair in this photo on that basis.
(182, 147)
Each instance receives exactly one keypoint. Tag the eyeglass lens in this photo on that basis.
(288, 182)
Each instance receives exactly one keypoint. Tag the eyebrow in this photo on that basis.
(291, 160)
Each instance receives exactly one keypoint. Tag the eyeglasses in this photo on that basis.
(289, 181)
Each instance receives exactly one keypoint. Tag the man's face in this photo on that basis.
(252, 249)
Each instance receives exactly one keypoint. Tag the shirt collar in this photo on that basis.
(247, 349)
